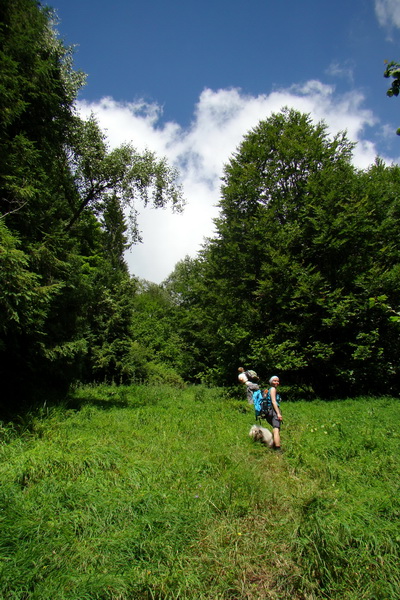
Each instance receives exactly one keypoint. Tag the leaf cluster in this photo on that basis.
(393, 71)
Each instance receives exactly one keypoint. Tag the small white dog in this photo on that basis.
(261, 434)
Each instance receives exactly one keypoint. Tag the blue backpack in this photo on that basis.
(266, 404)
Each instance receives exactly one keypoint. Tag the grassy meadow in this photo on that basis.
(144, 493)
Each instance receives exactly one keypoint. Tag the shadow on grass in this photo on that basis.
(20, 413)
(108, 397)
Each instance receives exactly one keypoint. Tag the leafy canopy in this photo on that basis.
(302, 276)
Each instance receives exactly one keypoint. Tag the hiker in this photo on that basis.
(248, 378)
(272, 410)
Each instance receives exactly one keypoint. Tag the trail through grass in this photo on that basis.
(155, 493)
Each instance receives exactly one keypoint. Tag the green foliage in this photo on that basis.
(65, 289)
(158, 351)
(155, 492)
(36, 93)
(155, 327)
(22, 300)
(304, 242)
(393, 70)
(102, 176)
(161, 374)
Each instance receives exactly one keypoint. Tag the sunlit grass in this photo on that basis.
(142, 493)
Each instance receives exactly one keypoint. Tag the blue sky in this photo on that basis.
(189, 79)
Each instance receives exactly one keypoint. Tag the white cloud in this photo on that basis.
(388, 13)
(221, 119)
(343, 71)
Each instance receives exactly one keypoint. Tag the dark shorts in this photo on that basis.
(272, 418)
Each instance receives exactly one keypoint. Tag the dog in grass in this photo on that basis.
(261, 434)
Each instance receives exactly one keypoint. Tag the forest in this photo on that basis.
(302, 277)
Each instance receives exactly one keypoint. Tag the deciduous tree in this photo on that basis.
(302, 276)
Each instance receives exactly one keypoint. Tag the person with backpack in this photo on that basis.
(271, 409)
(266, 406)
(249, 379)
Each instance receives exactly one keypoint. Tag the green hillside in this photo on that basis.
(128, 493)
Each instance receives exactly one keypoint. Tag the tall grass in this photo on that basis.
(154, 493)
(348, 534)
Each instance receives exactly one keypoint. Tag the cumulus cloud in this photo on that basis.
(220, 120)
(388, 13)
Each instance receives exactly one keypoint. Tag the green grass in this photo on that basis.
(155, 493)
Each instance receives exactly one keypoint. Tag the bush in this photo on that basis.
(156, 373)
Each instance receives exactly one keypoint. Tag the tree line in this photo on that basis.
(301, 279)
(68, 207)
(303, 276)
